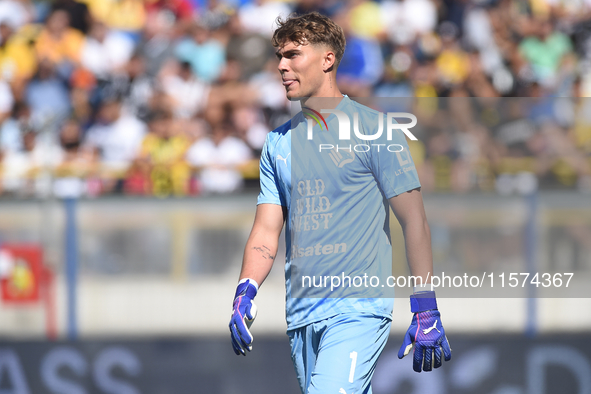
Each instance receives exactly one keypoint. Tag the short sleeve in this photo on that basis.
(393, 167)
(269, 191)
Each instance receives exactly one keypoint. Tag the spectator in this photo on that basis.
(545, 50)
(48, 97)
(364, 20)
(6, 100)
(205, 54)
(12, 129)
(137, 181)
(439, 170)
(24, 172)
(249, 124)
(133, 84)
(77, 172)
(58, 42)
(218, 158)
(17, 59)
(453, 63)
(259, 16)
(250, 50)
(82, 83)
(105, 51)
(406, 20)
(164, 149)
(125, 15)
(156, 44)
(268, 89)
(159, 101)
(16, 13)
(188, 94)
(76, 160)
(581, 131)
(396, 81)
(323, 7)
(80, 18)
(181, 12)
(362, 64)
(117, 138)
(180, 9)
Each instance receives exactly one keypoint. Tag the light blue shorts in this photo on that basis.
(338, 355)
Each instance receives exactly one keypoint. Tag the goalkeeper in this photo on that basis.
(335, 341)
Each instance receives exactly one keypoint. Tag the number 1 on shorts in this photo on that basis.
(353, 356)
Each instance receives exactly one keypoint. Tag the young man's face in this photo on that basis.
(301, 68)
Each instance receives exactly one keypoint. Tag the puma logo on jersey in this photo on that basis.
(279, 157)
(428, 330)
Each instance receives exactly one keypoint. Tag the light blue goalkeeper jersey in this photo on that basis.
(338, 221)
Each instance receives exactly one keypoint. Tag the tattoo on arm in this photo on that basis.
(264, 251)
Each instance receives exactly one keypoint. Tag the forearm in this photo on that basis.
(417, 237)
(259, 255)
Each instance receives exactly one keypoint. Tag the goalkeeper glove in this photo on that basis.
(426, 332)
(243, 314)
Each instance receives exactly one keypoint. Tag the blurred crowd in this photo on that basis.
(175, 97)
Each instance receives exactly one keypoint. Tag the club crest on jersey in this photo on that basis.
(341, 158)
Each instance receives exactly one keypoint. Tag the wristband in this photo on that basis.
(248, 287)
(423, 301)
(251, 281)
(422, 287)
